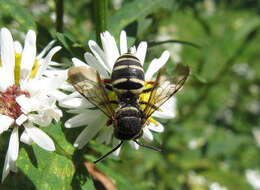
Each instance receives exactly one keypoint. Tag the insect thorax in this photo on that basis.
(128, 77)
(129, 123)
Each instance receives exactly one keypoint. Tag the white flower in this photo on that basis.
(103, 61)
(196, 143)
(195, 179)
(253, 178)
(26, 94)
(256, 133)
(216, 186)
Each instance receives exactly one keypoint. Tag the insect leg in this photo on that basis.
(150, 105)
(147, 90)
(111, 151)
(147, 146)
(106, 102)
(107, 84)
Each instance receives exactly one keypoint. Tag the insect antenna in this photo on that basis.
(104, 156)
(147, 146)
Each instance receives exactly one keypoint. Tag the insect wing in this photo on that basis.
(163, 89)
(88, 83)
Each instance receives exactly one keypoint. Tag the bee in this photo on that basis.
(128, 82)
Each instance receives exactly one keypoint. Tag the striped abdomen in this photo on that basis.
(128, 123)
(128, 76)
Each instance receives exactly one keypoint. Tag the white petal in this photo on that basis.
(67, 86)
(21, 119)
(54, 63)
(28, 55)
(55, 113)
(47, 60)
(158, 127)
(18, 47)
(78, 103)
(123, 42)
(89, 132)
(33, 86)
(12, 154)
(58, 94)
(78, 63)
(6, 168)
(39, 137)
(13, 147)
(110, 49)
(93, 62)
(105, 135)
(56, 72)
(25, 138)
(46, 49)
(134, 145)
(147, 135)
(141, 52)
(5, 78)
(74, 94)
(133, 50)
(168, 110)
(115, 143)
(156, 64)
(50, 84)
(7, 49)
(6, 122)
(99, 54)
(86, 118)
(40, 119)
(27, 104)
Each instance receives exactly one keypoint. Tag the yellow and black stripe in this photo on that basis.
(128, 75)
(129, 122)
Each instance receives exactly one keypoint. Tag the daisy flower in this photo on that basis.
(102, 60)
(26, 94)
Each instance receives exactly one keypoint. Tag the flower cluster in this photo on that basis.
(26, 94)
(29, 90)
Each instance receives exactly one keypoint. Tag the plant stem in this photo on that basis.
(59, 15)
(100, 12)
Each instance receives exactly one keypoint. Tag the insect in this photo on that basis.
(127, 81)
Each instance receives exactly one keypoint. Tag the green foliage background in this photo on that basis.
(218, 107)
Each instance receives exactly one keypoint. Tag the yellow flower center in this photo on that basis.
(17, 68)
(34, 69)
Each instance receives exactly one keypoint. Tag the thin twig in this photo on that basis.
(203, 23)
(151, 44)
(100, 12)
(59, 15)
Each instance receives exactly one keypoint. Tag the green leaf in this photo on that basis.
(17, 13)
(143, 25)
(151, 44)
(131, 12)
(74, 48)
(250, 24)
(234, 181)
(121, 181)
(39, 169)
(198, 78)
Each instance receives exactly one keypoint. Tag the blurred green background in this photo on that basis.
(214, 141)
